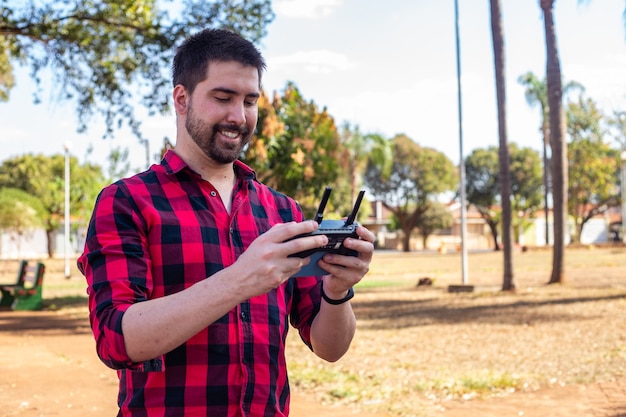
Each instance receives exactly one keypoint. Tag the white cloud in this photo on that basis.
(306, 9)
(317, 62)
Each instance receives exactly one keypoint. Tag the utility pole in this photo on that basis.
(461, 158)
(623, 158)
(66, 249)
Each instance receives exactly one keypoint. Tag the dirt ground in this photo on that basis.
(49, 369)
(48, 365)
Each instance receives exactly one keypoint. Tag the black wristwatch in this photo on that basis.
(348, 297)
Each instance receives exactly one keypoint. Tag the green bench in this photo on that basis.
(26, 293)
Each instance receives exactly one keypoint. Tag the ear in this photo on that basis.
(181, 99)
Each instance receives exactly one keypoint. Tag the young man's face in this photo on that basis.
(222, 111)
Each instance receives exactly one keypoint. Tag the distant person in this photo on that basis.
(187, 267)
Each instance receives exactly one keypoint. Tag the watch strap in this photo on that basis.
(329, 300)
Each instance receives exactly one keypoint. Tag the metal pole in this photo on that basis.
(67, 210)
(623, 157)
(461, 159)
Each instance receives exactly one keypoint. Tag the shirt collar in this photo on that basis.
(173, 164)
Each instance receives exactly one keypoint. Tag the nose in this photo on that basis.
(236, 113)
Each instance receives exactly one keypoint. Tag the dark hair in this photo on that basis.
(218, 45)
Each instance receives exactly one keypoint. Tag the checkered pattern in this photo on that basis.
(162, 231)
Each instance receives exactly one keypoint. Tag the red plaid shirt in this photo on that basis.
(162, 231)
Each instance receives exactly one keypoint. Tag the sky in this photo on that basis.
(388, 68)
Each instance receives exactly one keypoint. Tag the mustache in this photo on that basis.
(243, 130)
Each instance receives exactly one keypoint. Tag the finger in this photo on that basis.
(365, 234)
(364, 248)
(285, 231)
(305, 244)
(347, 271)
(294, 265)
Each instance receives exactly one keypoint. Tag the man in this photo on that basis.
(188, 266)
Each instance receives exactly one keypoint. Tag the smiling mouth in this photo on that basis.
(230, 134)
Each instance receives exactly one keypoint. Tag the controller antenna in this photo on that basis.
(355, 209)
(320, 210)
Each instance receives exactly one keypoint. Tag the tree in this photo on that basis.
(107, 55)
(297, 150)
(594, 165)
(557, 142)
(497, 35)
(536, 93)
(483, 185)
(19, 212)
(617, 124)
(43, 178)
(119, 166)
(359, 149)
(436, 217)
(594, 173)
(526, 179)
(418, 177)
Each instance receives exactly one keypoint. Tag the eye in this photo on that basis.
(251, 101)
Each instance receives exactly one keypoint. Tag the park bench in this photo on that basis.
(26, 293)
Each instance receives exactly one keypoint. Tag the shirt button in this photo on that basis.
(213, 193)
(244, 315)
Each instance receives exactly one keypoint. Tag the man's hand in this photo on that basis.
(265, 264)
(346, 271)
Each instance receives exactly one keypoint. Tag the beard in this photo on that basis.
(206, 137)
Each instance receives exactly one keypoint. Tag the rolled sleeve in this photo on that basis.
(117, 269)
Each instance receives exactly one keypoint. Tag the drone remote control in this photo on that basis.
(336, 231)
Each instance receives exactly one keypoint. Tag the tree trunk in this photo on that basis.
(494, 233)
(406, 240)
(557, 143)
(52, 239)
(579, 232)
(505, 173)
(546, 183)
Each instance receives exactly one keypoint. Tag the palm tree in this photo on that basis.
(557, 141)
(536, 93)
(360, 149)
(505, 174)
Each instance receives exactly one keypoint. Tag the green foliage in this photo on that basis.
(617, 126)
(584, 120)
(482, 173)
(360, 150)
(417, 178)
(526, 186)
(19, 211)
(436, 217)
(43, 178)
(536, 93)
(594, 166)
(483, 185)
(482, 176)
(119, 166)
(107, 55)
(297, 150)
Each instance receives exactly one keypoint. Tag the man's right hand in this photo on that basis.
(266, 263)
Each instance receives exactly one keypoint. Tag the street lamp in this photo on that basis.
(66, 147)
(464, 266)
(623, 157)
